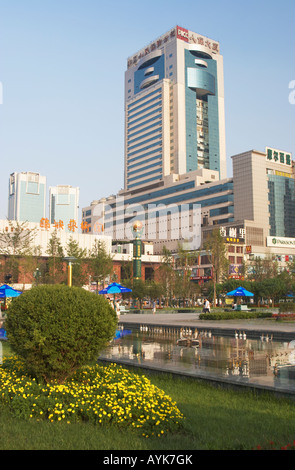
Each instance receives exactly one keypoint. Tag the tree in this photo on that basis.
(216, 250)
(183, 285)
(262, 268)
(272, 288)
(154, 290)
(56, 329)
(16, 243)
(101, 263)
(166, 274)
(139, 290)
(79, 275)
(55, 259)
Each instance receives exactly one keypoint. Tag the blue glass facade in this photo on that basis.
(201, 86)
(157, 68)
(282, 206)
(31, 197)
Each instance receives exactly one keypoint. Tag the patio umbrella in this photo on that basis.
(8, 291)
(240, 292)
(115, 288)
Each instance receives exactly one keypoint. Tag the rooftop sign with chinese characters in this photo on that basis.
(179, 33)
(72, 225)
(278, 156)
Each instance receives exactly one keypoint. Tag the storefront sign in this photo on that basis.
(280, 242)
(233, 234)
(235, 271)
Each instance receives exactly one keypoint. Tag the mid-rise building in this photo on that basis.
(26, 197)
(171, 212)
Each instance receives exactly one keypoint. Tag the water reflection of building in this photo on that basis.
(216, 355)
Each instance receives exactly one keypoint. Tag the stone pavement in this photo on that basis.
(281, 330)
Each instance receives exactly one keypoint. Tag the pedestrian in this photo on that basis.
(117, 310)
(207, 306)
(154, 307)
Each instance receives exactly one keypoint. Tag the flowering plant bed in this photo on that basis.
(100, 395)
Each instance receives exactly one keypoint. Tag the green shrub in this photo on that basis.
(234, 315)
(56, 329)
(287, 307)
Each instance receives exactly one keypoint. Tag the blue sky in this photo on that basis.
(62, 65)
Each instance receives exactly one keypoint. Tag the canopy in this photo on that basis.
(240, 292)
(115, 288)
(8, 291)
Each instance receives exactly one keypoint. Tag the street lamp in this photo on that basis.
(70, 260)
(37, 275)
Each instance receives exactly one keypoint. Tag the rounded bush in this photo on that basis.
(56, 329)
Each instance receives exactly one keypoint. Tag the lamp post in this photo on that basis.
(70, 260)
(37, 275)
(137, 248)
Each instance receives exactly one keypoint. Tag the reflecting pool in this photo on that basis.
(262, 362)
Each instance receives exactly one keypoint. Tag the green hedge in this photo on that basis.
(287, 307)
(235, 315)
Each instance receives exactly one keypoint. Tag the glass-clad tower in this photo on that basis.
(281, 204)
(26, 197)
(174, 109)
(64, 206)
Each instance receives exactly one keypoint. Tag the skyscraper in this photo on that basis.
(27, 197)
(64, 205)
(174, 109)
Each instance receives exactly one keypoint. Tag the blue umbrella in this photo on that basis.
(8, 291)
(240, 292)
(115, 288)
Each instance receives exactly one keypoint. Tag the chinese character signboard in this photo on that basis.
(278, 156)
(179, 33)
(72, 225)
(233, 234)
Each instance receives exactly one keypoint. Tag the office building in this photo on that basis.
(64, 206)
(172, 212)
(174, 109)
(26, 197)
(175, 161)
(264, 200)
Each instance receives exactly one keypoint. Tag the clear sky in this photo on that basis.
(62, 65)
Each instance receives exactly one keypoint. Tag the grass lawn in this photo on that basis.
(216, 419)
